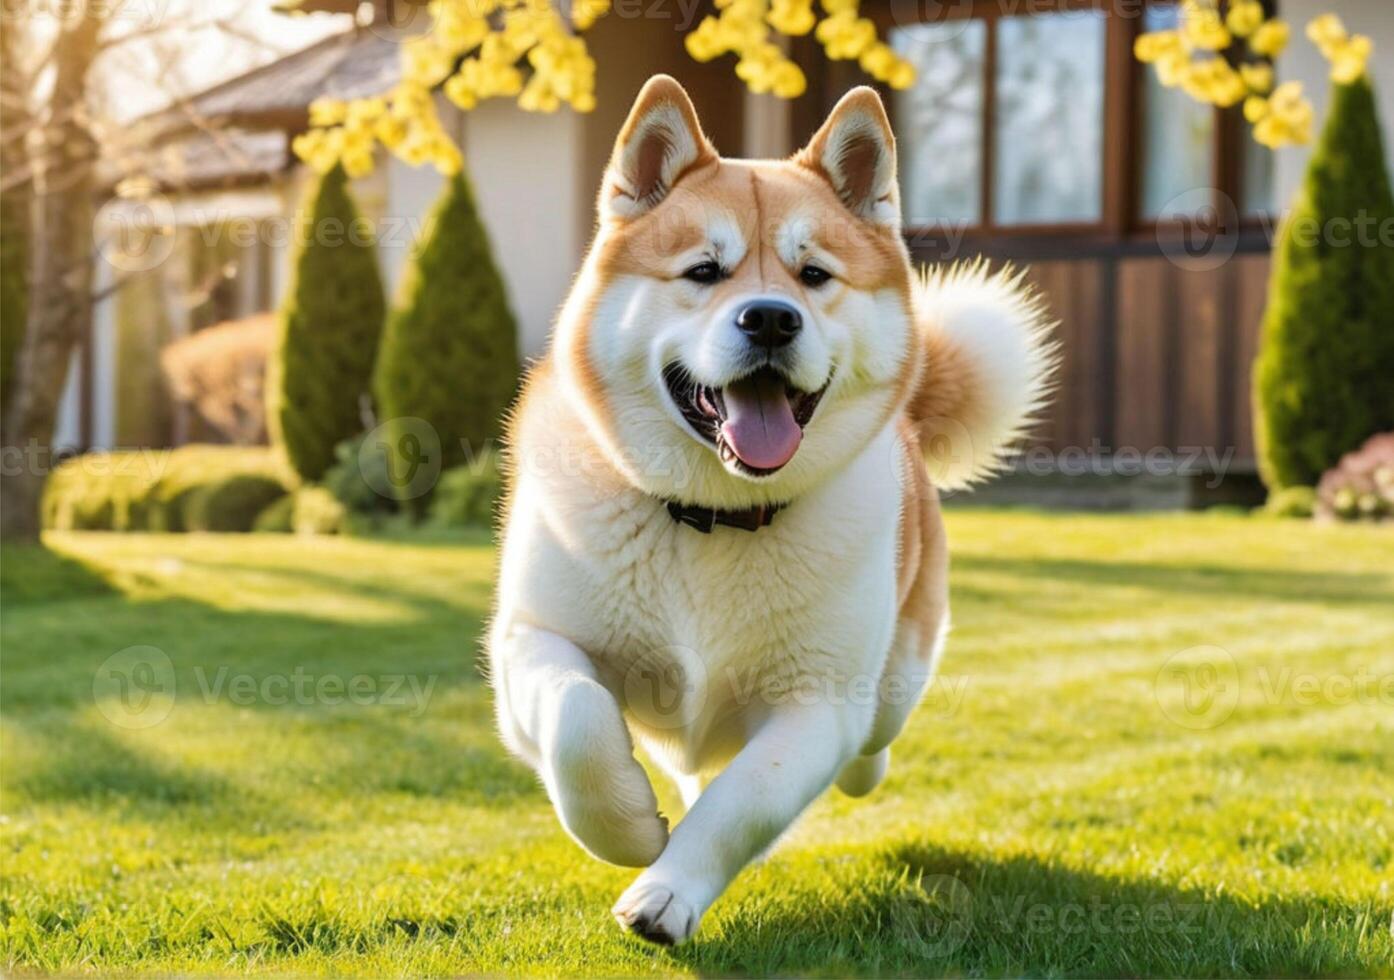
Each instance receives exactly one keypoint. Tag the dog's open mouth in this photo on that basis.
(755, 422)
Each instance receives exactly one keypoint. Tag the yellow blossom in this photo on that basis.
(459, 91)
(1270, 39)
(877, 60)
(390, 131)
(1149, 48)
(1173, 68)
(1258, 78)
(1215, 82)
(327, 112)
(845, 35)
(535, 51)
(584, 13)
(792, 17)
(1348, 60)
(902, 75)
(1288, 120)
(1327, 32)
(357, 163)
(788, 81)
(1203, 29)
(1255, 108)
(704, 43)
(1244, 17)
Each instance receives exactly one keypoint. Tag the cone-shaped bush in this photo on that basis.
(330, 325)
(450, 352)
(1324, 378)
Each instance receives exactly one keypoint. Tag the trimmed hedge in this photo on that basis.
(316, 511)
(1292, 502)
(322, 364)
(276, 517)
(231, 504)
(149, 490)
(468, 496)
(449, 354)
(1322, 380)
(354, 475)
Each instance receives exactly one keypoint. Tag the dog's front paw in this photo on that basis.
(601, 794)
(656, 912)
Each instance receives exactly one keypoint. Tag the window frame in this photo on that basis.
(1121, 220)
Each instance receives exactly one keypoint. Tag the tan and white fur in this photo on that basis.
(755, 668)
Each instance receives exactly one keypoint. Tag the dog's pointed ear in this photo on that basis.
(660, 141)
(855, 151)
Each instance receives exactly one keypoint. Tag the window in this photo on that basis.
(1177, 139)
(1049, 123)
(1027, 117)
(1256, 179)
(941, 122)
(1046, 124)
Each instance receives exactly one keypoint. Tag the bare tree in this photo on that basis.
(60, 158)
(53, 131)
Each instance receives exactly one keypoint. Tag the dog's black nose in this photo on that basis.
(769, 323)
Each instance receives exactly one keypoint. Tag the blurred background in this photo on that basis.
(278, 268)
(1030, 133)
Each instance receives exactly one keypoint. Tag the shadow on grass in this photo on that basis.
(417, 724)
(929, 911)
(1328, 588)
(471, 597)
(32, 574)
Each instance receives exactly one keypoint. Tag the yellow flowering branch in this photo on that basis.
(1223, 57)
(525, 49)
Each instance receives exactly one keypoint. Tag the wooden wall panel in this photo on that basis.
(1251, 297)
(1199, 352)
(1073, 293)
(1152, 354)
(1145, 302)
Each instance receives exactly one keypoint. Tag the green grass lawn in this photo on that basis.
(1160, 746)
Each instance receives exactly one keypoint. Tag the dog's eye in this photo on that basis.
(705, 273)
(813, 276)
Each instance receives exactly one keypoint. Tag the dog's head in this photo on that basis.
(741, 328)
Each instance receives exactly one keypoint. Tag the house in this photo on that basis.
(1031, 136)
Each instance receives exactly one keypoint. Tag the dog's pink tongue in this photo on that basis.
(760, 426)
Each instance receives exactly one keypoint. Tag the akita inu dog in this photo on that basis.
(722, 538)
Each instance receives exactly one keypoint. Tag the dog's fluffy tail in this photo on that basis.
(989, 368)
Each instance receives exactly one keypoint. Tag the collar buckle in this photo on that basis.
(704, 519)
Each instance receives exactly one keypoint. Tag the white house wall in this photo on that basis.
(526, 171)
(410, 193)
(1303, 62)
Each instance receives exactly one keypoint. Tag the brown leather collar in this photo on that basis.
(706, 518)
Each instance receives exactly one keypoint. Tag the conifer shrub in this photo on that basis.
(1324, 377)
(330, 324)
(449, 355)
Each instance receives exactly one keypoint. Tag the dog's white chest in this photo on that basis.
(700, 635)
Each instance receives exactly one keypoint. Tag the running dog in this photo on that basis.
(722, 538)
